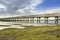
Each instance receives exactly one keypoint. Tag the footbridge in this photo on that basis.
(33, 18)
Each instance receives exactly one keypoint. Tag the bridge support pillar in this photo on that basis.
(27, 20)
(31, 20)
(46, 20)
(56, 20)
(38, 19)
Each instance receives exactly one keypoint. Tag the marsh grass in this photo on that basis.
(31, 33)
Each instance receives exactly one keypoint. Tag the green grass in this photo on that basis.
(31, 33)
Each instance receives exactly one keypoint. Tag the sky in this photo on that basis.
(28, 7)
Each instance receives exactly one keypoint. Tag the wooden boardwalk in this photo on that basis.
(32, 18)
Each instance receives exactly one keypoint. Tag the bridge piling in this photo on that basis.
(46, 20)
(56, 20)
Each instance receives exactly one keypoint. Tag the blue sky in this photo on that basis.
(28, 7)
(48, 4)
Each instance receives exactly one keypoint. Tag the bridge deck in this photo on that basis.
(33, 18)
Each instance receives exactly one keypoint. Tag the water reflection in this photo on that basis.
(17, 24)
(4, 25)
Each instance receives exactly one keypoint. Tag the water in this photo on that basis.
(4, 25)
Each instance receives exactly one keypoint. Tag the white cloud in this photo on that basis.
(7, 1)
(31, 8)
(36, 2)
(25, 7)
(2, 6)
(22, 6)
